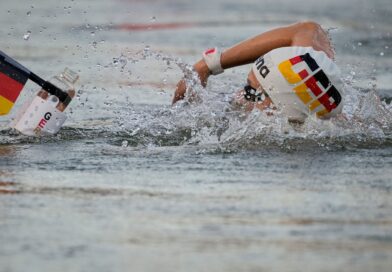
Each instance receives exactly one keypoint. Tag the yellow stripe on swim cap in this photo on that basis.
(302, 93)
(322, 113)
(314, 105)
(288, 73)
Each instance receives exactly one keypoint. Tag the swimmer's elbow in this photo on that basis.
(306, 33)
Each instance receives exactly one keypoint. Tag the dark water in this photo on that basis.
(133, 184)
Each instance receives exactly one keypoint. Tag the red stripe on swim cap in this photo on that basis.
(303, 74)
(312, 84)
(327, 103)
(296, 60)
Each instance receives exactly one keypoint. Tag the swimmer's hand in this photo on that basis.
(203, 72)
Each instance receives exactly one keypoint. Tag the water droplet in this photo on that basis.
(147, 48)
(153, 19)
(28, 13)
(124, 143)
(123, 63)
(381, 54)
(26, 36)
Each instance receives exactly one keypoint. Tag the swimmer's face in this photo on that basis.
(239, 98)
(252, 95)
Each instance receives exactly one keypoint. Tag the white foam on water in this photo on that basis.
(206, 117)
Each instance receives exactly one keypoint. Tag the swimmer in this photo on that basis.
(293, 70)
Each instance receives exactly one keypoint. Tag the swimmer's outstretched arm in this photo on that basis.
(299, 34)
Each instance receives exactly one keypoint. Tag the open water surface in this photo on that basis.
(133, 184)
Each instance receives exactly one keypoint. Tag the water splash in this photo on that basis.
(27, 35)
(206, 118)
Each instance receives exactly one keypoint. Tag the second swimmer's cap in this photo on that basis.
(301, 81)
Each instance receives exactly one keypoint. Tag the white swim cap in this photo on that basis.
(301, 81)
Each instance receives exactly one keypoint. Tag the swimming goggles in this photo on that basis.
(252, 94)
